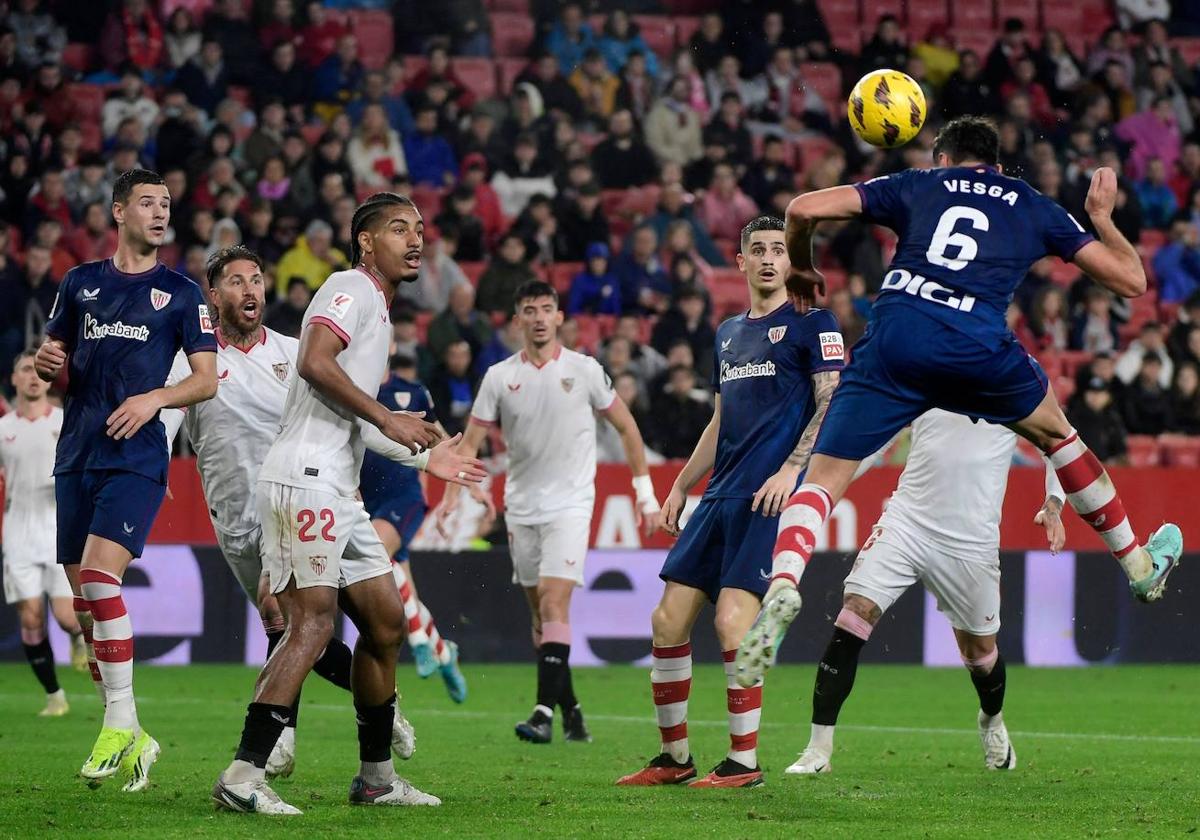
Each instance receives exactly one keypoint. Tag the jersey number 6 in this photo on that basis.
(944, 237)
(307, 519)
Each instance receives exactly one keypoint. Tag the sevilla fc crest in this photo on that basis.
(403, 399)
(282, 369)
(159, 298)
(567, 383)
(776, 334)
(317, 561)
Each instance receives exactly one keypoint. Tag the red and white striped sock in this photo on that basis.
(412, 615)
(671, 680)
(1091, 493)
(440, 651)
(802, 517)
(83, 614)
(745, 711)
(112, 635)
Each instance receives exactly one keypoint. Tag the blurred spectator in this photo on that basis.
(283, 78)
(1115, 83)
(727, 130)
(757, 52)
(131, 35)
(1187, 173)
(791, 104)
(622, 37)
(338, 78)
(1153, 133)
(1092, 413)
(507, 271)
(204, 79)
(596, 86)
(1155, 196)
(685, 321)
(1185, 400)
(227, 23)
(467, 25)
(1155, 48)
(769, 174)
(40, 287)
(12, 314)
(568, 336)
(222, 175)
(273, 183)
(1048, 321)
(558, 94)
(15, 185)
(279, 24)
(680, 244)
(680, 413)
(886, 48)
(1012, 46)
(852, 324)
(672, 129)
(266, 140)
(50, 97)
(375, 92)
(49, 235)
(674, 205)
(459, 321)
(805, 28)
(539, 227)
(330, 159)
(439, 70)
(482, 137)
(182, 38)
(48, 201)
(1191, 350)
(1059, 69)
(524, 174)
(430, 158)
(319, 39)
(374, 153)
(1146, 405)
(609, 449)
(644, 284)
(39, 37)
(595, 290)
(1025, 82)
(257, 233)
(506, 340)
(453, 386)
(225, 234)
(1160, 83)
(286, 314)
(1131, 13)
(683, 68)
(1150, 342)
(638, 88)
(725, 209)
(439, 274)
(459, 215)
(313, 258)
(708, 44)
(617, 358)
(937, 55)
(581, 221)
(1188, 319)
(95, 238)
(1113, 47)
(645, 361)
(1094, 329)
(473, 174)
(1177, 263)
(405, 342)
(727, 79)
(570, 38)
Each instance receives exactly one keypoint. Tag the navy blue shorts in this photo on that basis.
(724, 545)
(113, 504)
(905, 366)
(405, 514)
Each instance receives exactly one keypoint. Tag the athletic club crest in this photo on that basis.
(159, 298)
(776, 334)
(567, 383)
(282, 369)
(403, 399)
(317, 561)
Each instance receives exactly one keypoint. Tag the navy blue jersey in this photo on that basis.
(968, 236)
(763, 371)
(122, 332)
(381, 477)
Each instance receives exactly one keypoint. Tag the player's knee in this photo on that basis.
(863, 607)
(667, 627)
(32, 634)
(731, 626)
(979, 654)
(311, 632)
(271, 614)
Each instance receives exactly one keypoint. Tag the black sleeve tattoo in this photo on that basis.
(824, 384)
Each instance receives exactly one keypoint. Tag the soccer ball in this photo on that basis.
(887, 108)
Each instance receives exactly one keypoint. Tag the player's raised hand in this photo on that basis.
(668, 516)
(50, 358)
(407, 428)
(1050, 518)
(803, 286)
(448, 464)
(132, 414)
(1102, 194)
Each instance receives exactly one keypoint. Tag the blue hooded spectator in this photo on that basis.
(621, 37)
(570, 38)
(595, 290)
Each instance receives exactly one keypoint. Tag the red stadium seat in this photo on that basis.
(89, 101)
(78, 56)
(685, 28)
(1143, 450)
(1026, 10)
(924, 14)
(311, 132)
(1189, 49)
(518, 6)
(473, 270)
(93, 138)
(589, 332)
(428, 200)
(414, 64)
(1180, 451)
(1067, 17)
(727, 290)
(511, 34)
(847, 39)
(1064, 273)
(1152, 240)
(839, 14)
(478, 74)
(1073, 360)
(873, 10)
(691, 7)
(561, 275)
(979, 41)
(1064, 389)
(812, 150)
(507, 71)
(1097, 17)
(974, 14)
(658, 32)
(198, 8)
(373, 29)
(825, 78)
(423, 319)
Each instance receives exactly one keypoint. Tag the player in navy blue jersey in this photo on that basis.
(938, 339)
(117, 325)
(775, 370)
(395, 499)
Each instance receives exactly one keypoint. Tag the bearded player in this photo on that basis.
(320, 551)
(774, 374)
(117, 325)
(938, 339)
(545, 400)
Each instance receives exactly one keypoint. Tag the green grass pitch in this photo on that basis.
(1103, 752)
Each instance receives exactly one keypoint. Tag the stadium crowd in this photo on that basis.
(616, 149)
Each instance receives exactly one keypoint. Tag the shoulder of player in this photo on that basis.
(177, 282)
(282, 344)
(815, 319)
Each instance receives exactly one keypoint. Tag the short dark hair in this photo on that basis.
(368, 213)
(218, 261)
(28, 352)
(969, 139)
(757, 224)
(123, 188)
(533, 289)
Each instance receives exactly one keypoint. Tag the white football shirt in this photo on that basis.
(27, 456)
(320, 445)
(232, 433)
(952, 487)
(547, 417)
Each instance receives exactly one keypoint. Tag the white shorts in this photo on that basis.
(967, 587)
(552, 549)
(244, 555)
(28, 576)
(318, 538)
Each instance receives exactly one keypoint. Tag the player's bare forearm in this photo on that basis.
(318, 366)
(703, 456)
(472, 440)
(1112, 262)
(198, 386)
(631, 437)
(824, 384)
(805, 211)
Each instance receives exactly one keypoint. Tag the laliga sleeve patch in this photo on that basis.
(206, 324)
(340, 305)
(832, 347)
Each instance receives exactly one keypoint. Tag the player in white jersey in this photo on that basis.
(28, 437)
(320, 551)
(545, 400)
(941, 527)
(231, 434)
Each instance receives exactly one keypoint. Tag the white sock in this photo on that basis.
(243, 772)
(821, 738)
(377, 773)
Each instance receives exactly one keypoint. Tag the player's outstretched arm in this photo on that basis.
(317, 365)
(697, 466)
(140, 409)
(804, 213)
(647, 508)
(468, 446)
(1112, 261)
(777, 489)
